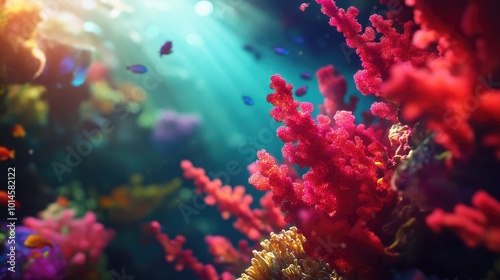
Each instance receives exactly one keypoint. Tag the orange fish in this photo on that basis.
(35, 241)
(18, 131)
(106, 202)
(6, 153)
(62, 201)
(4, 199)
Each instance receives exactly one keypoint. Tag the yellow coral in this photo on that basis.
(283, 257)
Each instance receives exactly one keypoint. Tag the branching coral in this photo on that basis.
(254, 223)
(377, 57)
(445, 122)
(476, 225)
(341, 192)
(173, 250)
(283, 257)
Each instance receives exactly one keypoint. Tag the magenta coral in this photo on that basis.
(254, 223)
(81, 241)
(334, 87)
(342, 190)
(476, 225)
(377, 56)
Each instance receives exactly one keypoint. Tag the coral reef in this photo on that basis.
(44, 263)
(374, 200)
(283, 257)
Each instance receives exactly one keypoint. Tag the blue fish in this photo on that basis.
(305, 75)
(67, 65)
(280, 51)
(166, 48)
(138, 69)
(248, 100)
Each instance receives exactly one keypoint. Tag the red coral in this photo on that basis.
(477, 225)
(253, 223)
(342, 185)
(173, 250)
(225, 254)
(436, 97)
(334, 88)
(82, 240)
(385, 111)
(463, 30)
(376, 56)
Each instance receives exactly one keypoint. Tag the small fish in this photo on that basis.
(301, 91)
(6, 153)
(35, 241)
(18, 131)
(166, 48)
(249, 48)
(4, 199)
(138, 69)
(280, 51)
(248, 100)
(306, 75)
(304, 6)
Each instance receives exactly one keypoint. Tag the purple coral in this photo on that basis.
(173, 128)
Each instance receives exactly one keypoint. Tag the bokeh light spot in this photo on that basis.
(204, 8)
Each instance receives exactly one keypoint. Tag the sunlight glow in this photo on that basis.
(204, 8)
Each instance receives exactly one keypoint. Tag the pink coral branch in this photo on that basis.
(84, 237)
(476, 225)
(173, 251)
(334, 88)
